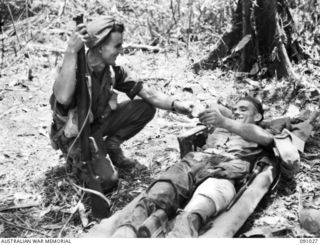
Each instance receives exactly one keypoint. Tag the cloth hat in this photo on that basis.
(99, 29)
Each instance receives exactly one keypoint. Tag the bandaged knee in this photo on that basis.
(218, 191)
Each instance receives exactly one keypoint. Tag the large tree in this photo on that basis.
(261, 42)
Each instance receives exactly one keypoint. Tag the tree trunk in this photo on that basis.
(246, 51)
(271, 47)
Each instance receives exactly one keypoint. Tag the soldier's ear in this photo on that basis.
(257, 117)
(99, 48)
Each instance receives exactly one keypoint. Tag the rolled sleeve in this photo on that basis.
(125, 83)
(59, 108)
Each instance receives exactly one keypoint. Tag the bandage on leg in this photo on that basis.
(201, 205)
(211, 197)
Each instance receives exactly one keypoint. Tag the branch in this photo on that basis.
(44, 47)
(14, 26)
(71, 215)
(27, 18)
(154, 49)
(19, 206)
(9, 110)
(172, 10)
(2, 46)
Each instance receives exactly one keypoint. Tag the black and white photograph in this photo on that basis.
(159, 119)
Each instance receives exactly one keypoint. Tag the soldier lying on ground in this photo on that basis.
(204, 183)
(108, 119)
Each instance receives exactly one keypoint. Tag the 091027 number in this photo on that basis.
(309, 240)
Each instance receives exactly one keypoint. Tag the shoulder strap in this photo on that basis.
(113, 76)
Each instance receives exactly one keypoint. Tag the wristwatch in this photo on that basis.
(172, 106)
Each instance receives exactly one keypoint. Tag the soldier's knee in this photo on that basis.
(163, 194)
(218, 191)
(111, 182)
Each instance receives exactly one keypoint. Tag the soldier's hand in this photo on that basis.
(78, 38)
(183, 107)
(212, 117)
(197, 110)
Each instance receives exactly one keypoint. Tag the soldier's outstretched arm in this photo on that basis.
(248, 131)
(162, 101)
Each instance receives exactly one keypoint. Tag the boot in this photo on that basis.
(112, 147)
(186, 225)
(139, 214)
(154, 225)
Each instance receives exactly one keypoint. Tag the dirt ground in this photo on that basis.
(36, 197)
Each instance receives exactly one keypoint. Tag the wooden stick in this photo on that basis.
(190, 6)
(27, 17)
(23, 227)
(14, 26)
(34, 20)
(172, 11)
(143, 47)
(9, 110)
(44, 47)
(20, 206)
(71, 215)
(19, 218)
(2, 46)
(62, 8)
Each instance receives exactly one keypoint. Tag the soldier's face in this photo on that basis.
(246, 112)
(111, 48)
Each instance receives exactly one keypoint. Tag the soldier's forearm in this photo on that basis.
(65, 83)
(156, 98)
(225, 111)
(250, 132)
